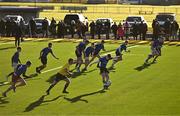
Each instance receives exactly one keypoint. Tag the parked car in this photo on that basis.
(16, 18)
(132, 19)
(162, 17)
(76, 17)
(39, 22)
(104, 22)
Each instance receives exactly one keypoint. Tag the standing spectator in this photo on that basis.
(143, 30)
(174, 29)
(72, 28)
(13, 27)
(32, 28)
(2, 27)
(79, 28)
(60, 29)
(92, 29)
(114, 30)
(83, 30)
(18, 34)
(167, 28)
(135, 30)
(156, 29)
(120, 32)
(53, 27)
(107, 28)
(45, 26)
(99, 28)
(127, 29)
(22, 26)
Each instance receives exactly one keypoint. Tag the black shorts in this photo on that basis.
(103, 70)
(118, 53)
(78, 54)
(44, 60)
(60, 77)
(95, 53)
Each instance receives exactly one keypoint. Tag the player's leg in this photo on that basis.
(56, 80)
(44, 63)
(66, 85)
(79, 61)
(21, 82)
(86, 63)
(4, 94)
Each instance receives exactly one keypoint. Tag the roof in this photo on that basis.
(17, 9)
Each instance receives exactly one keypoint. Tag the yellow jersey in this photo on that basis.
(64, 70)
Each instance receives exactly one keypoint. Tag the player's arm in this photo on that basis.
(95, 62)
(54, 55)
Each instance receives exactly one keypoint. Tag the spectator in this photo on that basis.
(120, 32)
(72, 28)
(156, 29)
(167, 28)
(60, 29)
(127, 29)
(2, 27)
(53, 27)
(22, 27)
(45, 26)
(114, 30)
(174, 29)
(92, 29)
(99, 28)
(143, 30)
(135, 30)
(8, 27)
(107, 28)
(18, 35)
(79, 27)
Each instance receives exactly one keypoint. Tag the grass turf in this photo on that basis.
(135, 90)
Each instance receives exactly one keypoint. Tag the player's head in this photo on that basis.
(126, 42)
(50, 45)
(108, 57)
(70, 61)
(86, 42)
(19, 49)
(28, 63)
(92, 45)
(102, 41)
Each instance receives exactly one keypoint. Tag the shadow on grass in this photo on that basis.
(39, 102)
(4, 83)
(75, 74)
(79, 98)
(3, 101)
(6, 48)
(144, 66)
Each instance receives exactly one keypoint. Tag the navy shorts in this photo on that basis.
(103, 70)
(60, 77)
(44, 60)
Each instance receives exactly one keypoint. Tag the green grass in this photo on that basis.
(152, 91)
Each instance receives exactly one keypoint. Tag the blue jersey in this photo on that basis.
(15, 57)
(98, 47)
(89, 51)
(121, 48)
(103, 62)
(20, 69)
(81, 46)
(46, 51)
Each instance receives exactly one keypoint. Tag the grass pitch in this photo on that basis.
(136, 89)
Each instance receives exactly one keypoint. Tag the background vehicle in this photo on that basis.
(132, 19)
(162, 17)
(16, 18)
(104, 22)
(39, 22)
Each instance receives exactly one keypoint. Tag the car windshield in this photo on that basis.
(133, 19)
(11, 18)
(164, 17)
(102, 20)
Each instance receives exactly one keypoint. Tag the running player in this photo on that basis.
(89, 51)
(43, 56)
(98, 48)
(119, 53)
(62, 75)
(156, 46)
(80, 49)
(15, 60)
(102, 62)
(21, 69)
